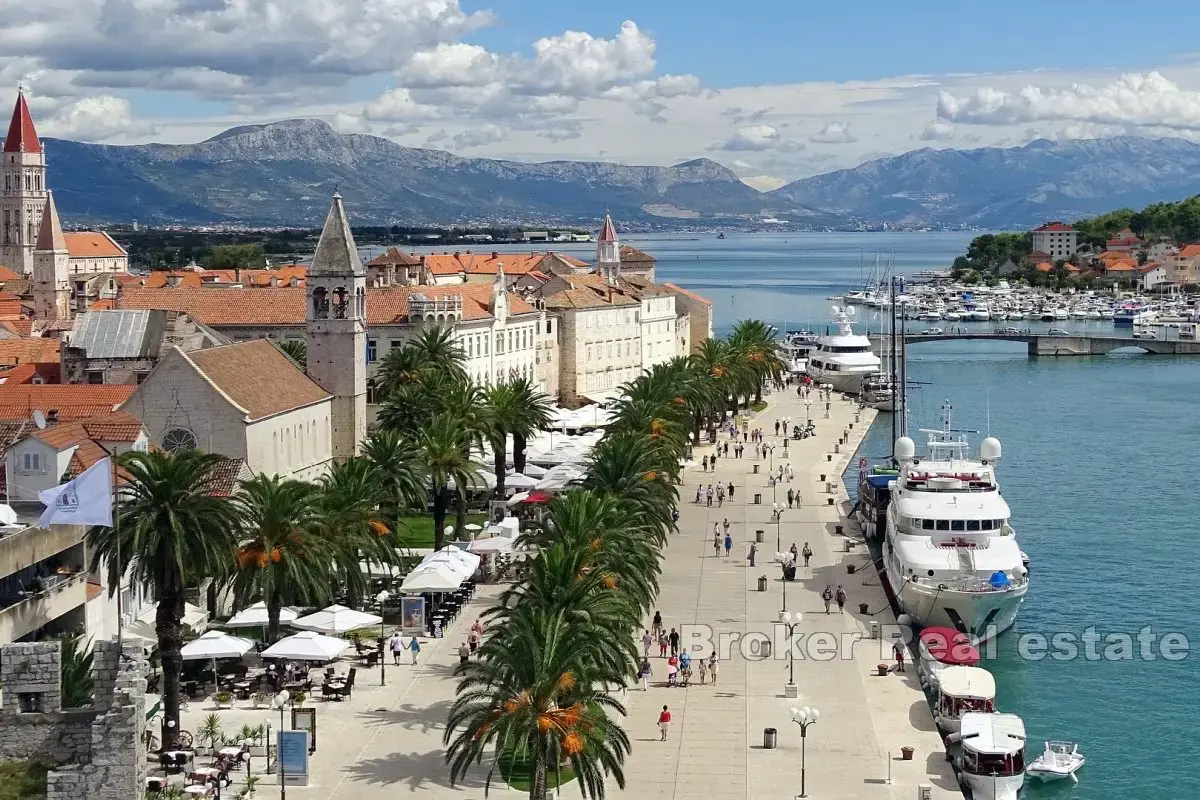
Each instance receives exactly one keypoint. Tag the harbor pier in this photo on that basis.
(1040, 344)
(719, 744)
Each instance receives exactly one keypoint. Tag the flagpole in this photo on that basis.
(117, 540)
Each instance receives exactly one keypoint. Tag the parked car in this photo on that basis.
(932, 332)
(1145, 334)
(1058, 332)
(1009, 332)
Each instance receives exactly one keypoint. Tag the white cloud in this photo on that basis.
(1132, 99)
(453, 64)
(757, 138)
(478, 137)
(937, 131)
(98, 119)
(578, 63)
(764, 183)
(834, 133)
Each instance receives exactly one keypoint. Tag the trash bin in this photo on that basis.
(758, 536)
(829, 501)
(838, 530)
(850, 569)
(758, 499)
(755, 469)
(764, 649)
(828, 457)
(769, 737)
(762, 583)
(822, 477)
(862, 608)
(906, 753)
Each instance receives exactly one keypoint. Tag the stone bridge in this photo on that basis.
(1042, 344)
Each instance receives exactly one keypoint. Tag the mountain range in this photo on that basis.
(283, 173)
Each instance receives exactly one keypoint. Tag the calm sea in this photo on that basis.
(1095, 468)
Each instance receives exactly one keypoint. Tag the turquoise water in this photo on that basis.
(1096, 467)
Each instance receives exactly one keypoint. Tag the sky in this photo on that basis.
(774, 90)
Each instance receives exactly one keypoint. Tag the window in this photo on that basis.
(95, 376)
(178, 439)
(31, 462)
(140, 377)
(372, 351)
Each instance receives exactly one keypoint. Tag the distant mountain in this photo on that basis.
(994, 187)
(284, 172)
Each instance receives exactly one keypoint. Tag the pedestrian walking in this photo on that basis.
(728, 544)
(647, 640)
(716, 544)
(464, 653)
(673, 638)
(731, 491)
(776, 427)
(790, 473)
(791, 495)
(899, 650)
(793, 551)
(725, 526)
(713, 664)
(662, 645)
(658, 625)
(806, 552)
(704, 463)
(827, 596)
(725, 450)
(397, 646)
(709, 495)
(664, 723)
(753, 552)
(414, 649)
(644, 673)
(473, 640)
(840, 596)
(703, 667)
(699, 492)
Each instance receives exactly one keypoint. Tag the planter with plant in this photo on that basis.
(252, 738)
(223, 699)
(298, 699)
(210, 732)
(261, 700)
(248, 787)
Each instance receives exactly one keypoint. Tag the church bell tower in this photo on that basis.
(23, 177)
(336, 330)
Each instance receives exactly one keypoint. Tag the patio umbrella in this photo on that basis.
(534, 471)
(496, 544)
(307, 646)
(519, 481)
(255, 616)
(216, 644)
(432, 578)
(536, 498)
(458, 560)
(519, 497)
(336, 619)
(473, 527)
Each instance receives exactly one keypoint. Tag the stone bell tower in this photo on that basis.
(23, 180)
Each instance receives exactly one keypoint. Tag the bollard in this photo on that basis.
(828, 457)
(830, 499)
(863, 608)
(837, 448)
(837, 529)
(850, 569)
(851, 426)
(874, 629)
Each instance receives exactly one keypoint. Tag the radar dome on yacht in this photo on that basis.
(989, 449)
(836, 310)
(1020, 571)
(850, 311)
(906, 448)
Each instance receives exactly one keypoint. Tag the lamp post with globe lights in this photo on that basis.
(783, 559)
(776, 517)
(791, 622)
(280, 701)
(804, 717)
(382, 598)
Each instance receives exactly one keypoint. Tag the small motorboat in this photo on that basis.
(1059, 760)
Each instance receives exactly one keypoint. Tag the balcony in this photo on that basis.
(33, 545)
(64, 594)
(439, 309)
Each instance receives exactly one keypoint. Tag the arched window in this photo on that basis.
(341, 301)
(361, 311)
(320, 303)
(178, 439)
(371, 392)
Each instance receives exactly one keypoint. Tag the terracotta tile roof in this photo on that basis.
(72, 401)
(631, 255)
(286, 305)
(1190, 251)
(225, 477)
(92, 244)
(1054, 226)
(85, 455)
(608, 232)
(94, 590)
(1121, 266)
(1036, 256)
(1149, 267)
(28, 351)
(19, 327)
(690, 295)
(119, 426)
(103, 305)
(7, 274)
(258, 377)
(1045, 266)
(590, 291)
(249, 277)
(22, 136)
(489, 263)
(395, 257)
(13, 431)
(1072, 268)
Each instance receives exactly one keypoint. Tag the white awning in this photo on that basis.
(307, 646)
(216, 644)
(143, 625)
(255, 616)
(958, 681)
(336, 619)
(433, 578)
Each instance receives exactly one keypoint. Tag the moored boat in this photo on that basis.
(1058, 760)
(992, 761)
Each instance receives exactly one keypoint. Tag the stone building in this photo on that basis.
(96, 751)
(246, 401)
(699, 313)
(124, 346)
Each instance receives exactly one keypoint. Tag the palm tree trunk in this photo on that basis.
(168, 625)
(439, 516)
(273, 608)
(538, 790)
(460, 514)
(519, 443)
(501, 456)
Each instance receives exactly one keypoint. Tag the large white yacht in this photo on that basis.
(843, 359)
(950, 556)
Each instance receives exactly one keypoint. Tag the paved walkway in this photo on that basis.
(387, 741)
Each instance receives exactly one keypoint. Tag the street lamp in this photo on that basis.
(778, 514)
(784, 559)
(381, 598)
(280, 701)
(790, 621)
(808, 411)
(804, 717)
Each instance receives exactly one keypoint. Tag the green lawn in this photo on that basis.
(22, 780)
(416, 530)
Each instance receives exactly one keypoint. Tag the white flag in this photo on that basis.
(86, 500)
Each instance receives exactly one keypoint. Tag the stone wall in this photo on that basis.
(97, 750)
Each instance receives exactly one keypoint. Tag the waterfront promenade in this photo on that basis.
(387, 741)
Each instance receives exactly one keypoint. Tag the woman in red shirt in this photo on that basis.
(664, 722)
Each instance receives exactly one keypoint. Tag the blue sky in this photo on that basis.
(775, 90)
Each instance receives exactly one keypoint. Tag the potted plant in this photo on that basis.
(210, 731)
(223, 699)
(261, 699)
(298, 699)
(252, 737)
(247, 790)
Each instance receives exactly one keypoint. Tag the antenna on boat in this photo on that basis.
(988, 405)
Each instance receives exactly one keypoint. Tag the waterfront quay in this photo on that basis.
(1041, 344)
(716, 743)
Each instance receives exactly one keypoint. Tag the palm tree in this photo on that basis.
(755, 342)
(75, 666)
(437, 349)
(282, 558)
(514, 408)
(169, 526)
(352, 522)
(399, 473)
(296, 350)
(444, 446)
(531, 697)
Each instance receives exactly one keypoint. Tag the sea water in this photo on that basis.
(1097, 469)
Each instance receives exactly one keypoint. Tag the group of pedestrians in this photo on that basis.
(719, 494)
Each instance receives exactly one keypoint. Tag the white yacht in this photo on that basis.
(992, 762)
(843, 359)
(950, 556)
(795, 347)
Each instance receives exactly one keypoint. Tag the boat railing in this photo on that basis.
(974, 584)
